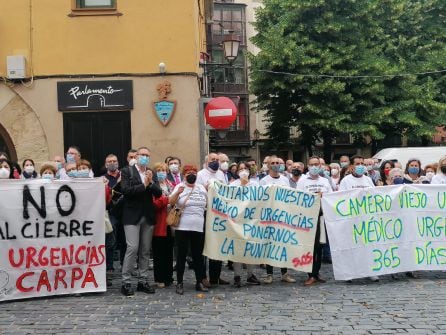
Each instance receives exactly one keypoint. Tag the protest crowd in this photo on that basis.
(140, 195)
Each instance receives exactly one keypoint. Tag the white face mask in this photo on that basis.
(243, 174)
(174, 168)
(133, 161)
(334, 172)
(29, 169)
(224, 166)
(4, 173)
(430, 175)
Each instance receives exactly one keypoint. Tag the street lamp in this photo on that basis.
(231, 45)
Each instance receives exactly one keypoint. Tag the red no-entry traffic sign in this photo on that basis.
(220, 113)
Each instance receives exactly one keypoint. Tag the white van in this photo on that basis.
(427, 155)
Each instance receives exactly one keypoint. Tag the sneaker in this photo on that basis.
(268, 279)
(180, 289)
(253, 280)
(287, 278)
(145, 287)
(374, 279)
(127, 290)
(237, 281)
(200, 287)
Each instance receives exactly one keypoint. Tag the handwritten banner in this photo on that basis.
(261, 225)
(386, 230)
(51, 238)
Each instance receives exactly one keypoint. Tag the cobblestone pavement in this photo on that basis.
(413, 306)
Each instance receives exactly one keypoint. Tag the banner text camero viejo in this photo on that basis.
(261, 225)
(386, 230)
(51, 238)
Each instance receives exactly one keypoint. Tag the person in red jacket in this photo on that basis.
(162, 241)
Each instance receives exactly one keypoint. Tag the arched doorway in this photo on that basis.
(6, 144)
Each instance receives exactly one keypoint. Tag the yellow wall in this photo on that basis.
(148, 32)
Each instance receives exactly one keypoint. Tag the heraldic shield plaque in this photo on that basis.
(164, 109)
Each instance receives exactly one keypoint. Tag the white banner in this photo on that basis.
(51, 238)
(261, 225)
(387, 229)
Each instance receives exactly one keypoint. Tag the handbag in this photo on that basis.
(174, 215)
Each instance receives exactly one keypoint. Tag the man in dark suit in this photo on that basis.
(138, 217)
(174, 174)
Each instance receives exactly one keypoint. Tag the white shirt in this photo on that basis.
(192, 218)
(268, 180)
(318, 185)
(439, 178)
(204, 176)
(251, 182)
(351, 182)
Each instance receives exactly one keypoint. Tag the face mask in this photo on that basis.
(443, 169)
(72, 174)
(83, 173)
(313, 170)
(4, 173)
(398, 180)
(275, 167)
(243, 174)
(48, 176)
(430, 175)
(281, 168)
(143, 160)
(174, 168)
(334, 172)
(296, 172)
(191, 178)
(59, 166)
(376, 167)
(369, 167)
(29, 169)
(214, 165)
(264, 167)
(387, 171)
(343, 164)
(253, 170)
(70, 158)
(224, 166)
(133, 161)
(360, 170)
(326, 173)
(112, 167)
(413, 170)
(161, 175)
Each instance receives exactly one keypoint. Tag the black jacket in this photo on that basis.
(138, 198)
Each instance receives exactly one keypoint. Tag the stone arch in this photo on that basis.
(21, 127)
(6, 139)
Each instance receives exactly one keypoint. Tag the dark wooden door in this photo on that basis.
(98, 134)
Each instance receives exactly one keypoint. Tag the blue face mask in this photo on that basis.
(48, 176)
(398, 180)
(360, 170)
(214, 165)
(70, 158)
(326, 173)
(314, 170)
(275, 167)
(143, 160)
(72, 174)
(281, 167)
(83, 174)
(161, 175)
(59, 166)
(413, 170)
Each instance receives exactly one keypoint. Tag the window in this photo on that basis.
(94, 7)
(92, 4)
